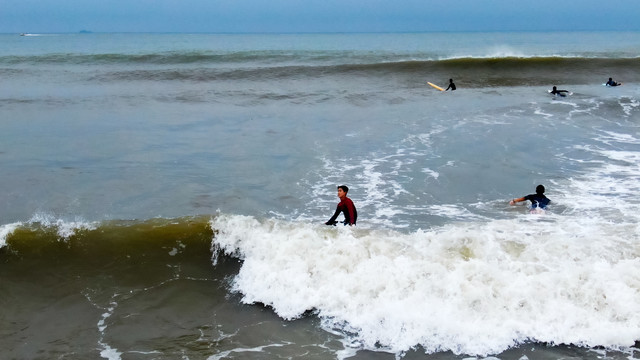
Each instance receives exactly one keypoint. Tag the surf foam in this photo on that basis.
(473, 289)
(6, 230)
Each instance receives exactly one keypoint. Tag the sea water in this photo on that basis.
(164, 196)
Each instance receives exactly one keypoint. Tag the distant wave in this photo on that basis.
(276, 56)
(472, 72)
(172, 58)
(278, 65)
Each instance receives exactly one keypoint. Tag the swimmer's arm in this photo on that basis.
(333, 221)
(514, 201)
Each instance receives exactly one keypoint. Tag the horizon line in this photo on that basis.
(89, 32)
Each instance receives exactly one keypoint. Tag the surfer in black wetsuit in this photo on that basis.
(612, 83)
(555, 91)
(344, 206)
(451, 86)
(538, 200)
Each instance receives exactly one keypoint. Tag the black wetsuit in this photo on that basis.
(451, 86)
(538, 200)
(350, 214)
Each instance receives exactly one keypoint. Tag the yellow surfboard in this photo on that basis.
(435, 86)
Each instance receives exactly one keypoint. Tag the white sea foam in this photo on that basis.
(257, 349)
(378, 179)
(629, 105)
(6, 230)
(65, 228)
(509, 53)
(106, 351)
(608, 192)
(552, 279)
(538, 111)
(451, 212)
(431, 173)
(609, 137)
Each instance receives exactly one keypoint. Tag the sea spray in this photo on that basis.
(472, 289)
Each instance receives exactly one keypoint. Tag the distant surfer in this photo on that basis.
(555, 91)
(612, 83)
(538, 200)
(346, 207)
(451, 86)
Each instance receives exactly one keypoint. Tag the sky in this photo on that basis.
(286, 16)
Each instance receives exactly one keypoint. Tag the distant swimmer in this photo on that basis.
(451, 86)
(612, 83)
(346, 207)
(555, 91)
(538, 200)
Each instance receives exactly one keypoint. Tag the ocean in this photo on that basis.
(164, 196)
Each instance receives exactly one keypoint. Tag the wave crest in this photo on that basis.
(439, 289)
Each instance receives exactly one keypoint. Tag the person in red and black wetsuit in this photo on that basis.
(346, 207)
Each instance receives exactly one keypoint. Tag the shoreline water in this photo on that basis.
(123, 252)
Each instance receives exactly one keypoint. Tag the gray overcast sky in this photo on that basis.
(316, 15)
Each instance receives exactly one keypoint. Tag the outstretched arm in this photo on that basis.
(514, 201)
(333, 221)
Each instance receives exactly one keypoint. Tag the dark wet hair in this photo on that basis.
(540, 189)
(344, 188)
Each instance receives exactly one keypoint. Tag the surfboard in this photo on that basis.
(617, 84)
(435, 86)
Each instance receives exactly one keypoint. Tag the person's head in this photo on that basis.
(342, 191)
(554, 87)
(450, 80)
(540, 189)
(610, 79)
